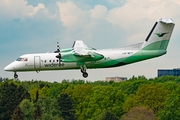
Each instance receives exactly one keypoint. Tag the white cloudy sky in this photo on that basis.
(33, 26)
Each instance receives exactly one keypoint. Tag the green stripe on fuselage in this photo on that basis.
(139, 56)
(143, 55)
(150, 51)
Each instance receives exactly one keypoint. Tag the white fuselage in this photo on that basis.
(48, 61)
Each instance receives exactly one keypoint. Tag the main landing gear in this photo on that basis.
(15, 75)
(83, 70)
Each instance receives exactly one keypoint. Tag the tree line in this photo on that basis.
(137, 98)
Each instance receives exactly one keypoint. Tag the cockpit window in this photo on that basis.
(21, 59)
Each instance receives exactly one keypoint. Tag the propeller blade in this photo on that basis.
(59, 55)
(58, 48)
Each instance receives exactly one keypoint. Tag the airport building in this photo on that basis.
(116, 79)
(174, 72)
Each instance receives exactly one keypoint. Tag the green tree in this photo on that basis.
(37, 112)
(37, 96)
(28, 109)
(108, 116)
(80, 96)
(3, 79)
(49, 108)
(66, 106)
(129, 103)
(56, 89)
(171, 109)
(166, 78)
(139, 113)
(17, 114)
(102, 99)
(151, 96)
(10, 97)
(131, 86)
(170, 86)
(75, 82)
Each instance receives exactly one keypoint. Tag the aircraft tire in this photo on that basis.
(15, 76)
(85, 74)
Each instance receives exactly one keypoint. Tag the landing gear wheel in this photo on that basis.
(85, 74)
(83, 71)
(15, 75)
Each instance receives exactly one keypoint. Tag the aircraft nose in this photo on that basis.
(9, 68)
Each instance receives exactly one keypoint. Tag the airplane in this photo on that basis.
(82, 57)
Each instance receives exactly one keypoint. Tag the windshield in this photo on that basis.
(21, 59)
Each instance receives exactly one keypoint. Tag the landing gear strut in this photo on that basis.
(83, 70)
(15, 75)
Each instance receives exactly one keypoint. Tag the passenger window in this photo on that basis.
(49, 60)
(45, 61)
(53, 60)
(57, 60)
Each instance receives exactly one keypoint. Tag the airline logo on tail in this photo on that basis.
(160, 34)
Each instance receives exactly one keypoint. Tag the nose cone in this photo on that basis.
(9, 68)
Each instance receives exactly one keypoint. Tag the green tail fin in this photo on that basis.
(159, 36)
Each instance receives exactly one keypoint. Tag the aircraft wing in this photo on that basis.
(82, 53)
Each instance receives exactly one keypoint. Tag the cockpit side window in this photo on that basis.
(21, 59)
(24, 59)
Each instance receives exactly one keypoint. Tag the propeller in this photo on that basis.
(59, 55)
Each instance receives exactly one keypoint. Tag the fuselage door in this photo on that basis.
(37, 62)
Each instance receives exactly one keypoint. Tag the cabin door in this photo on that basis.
(37, 62)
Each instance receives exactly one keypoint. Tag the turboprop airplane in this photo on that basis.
(82, 57)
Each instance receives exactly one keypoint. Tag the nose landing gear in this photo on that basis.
(15, 75)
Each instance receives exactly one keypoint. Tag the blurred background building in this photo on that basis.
(174, 72)
(115, 79)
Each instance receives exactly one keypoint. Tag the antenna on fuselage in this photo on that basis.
(59, 55)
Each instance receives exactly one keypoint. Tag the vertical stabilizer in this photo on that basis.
(159, 36)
